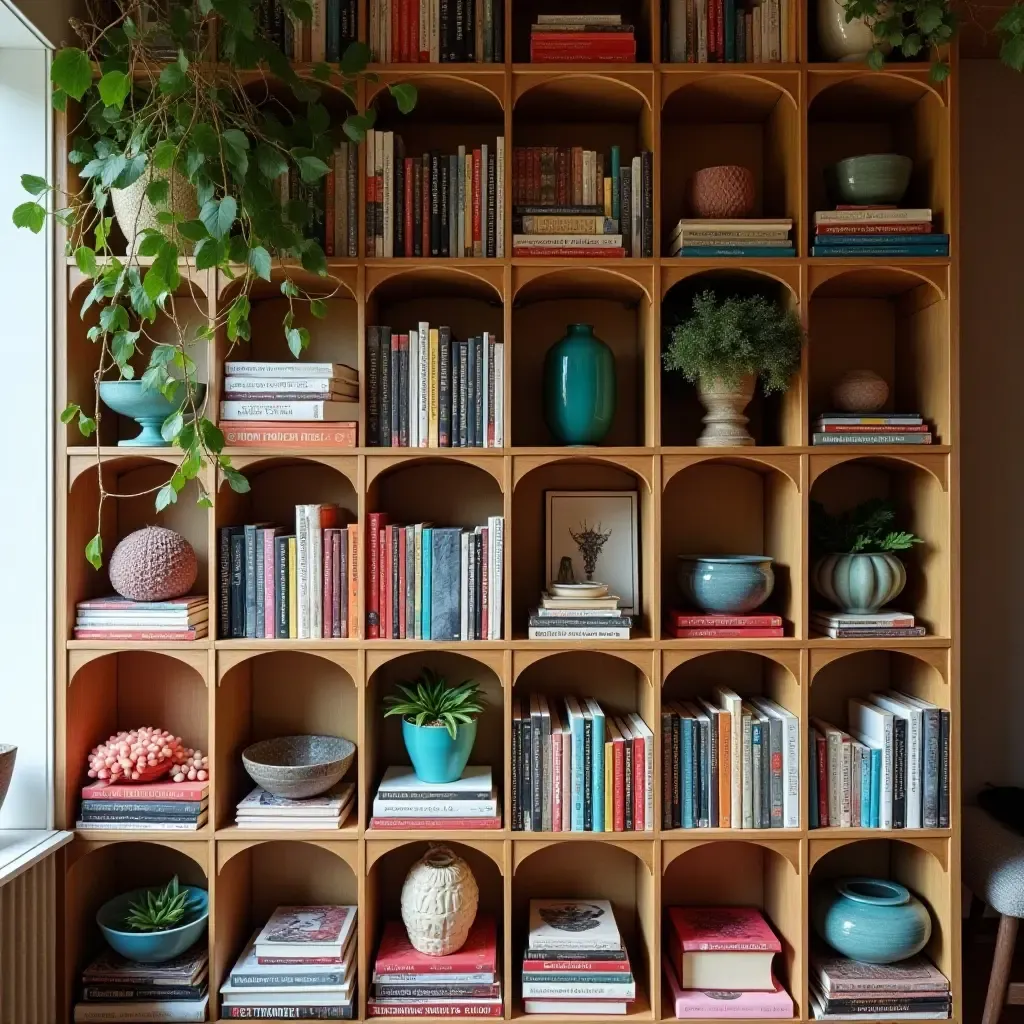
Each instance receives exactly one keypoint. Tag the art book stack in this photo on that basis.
(732, 31)
(120, 618)
(871, 428)
(148, 806)
(294, 405)
(576, 961)
(579, 611)
(686, 625)
(466, 983)
(730, 763)
(300, 965)
(561, 38)
(719, 964)
(863, 231)
(889, 769)
(437, 31)
(576, 769)
(748, 237)
(430, 390)
(262, 810)
(405, 802)
(850, 625)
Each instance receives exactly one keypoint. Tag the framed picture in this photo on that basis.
(598, 531)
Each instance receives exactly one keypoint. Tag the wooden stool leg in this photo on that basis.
(999, 979)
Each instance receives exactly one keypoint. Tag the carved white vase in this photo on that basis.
(841, 39)
(725, 422)
(439, 901)
(135, 212)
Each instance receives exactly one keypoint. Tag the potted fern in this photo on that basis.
(857, 567)
(438, 724)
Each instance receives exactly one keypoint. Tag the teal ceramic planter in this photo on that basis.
(871, 178)
(726, 584)
(872, 920)
(859, 584)
(579, 387)
(147, 407)
(435, 756)
(153, 947)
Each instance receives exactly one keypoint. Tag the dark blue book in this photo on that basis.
(237, 584)
(880, 250)
(891, 239)
(766, 251)
(224, 535)
(333, 31)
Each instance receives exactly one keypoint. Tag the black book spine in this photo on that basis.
(492, 199)
(396, 594)
(627, 761)
(478, 554)
(398, 199)
(373, 386)
(250, 583)
(353, 199)
(899, 773)
(453, 359)
(526, 773)
(471, 393)
(403, 391)
(444, 387)
(435, 204)
(943, 769)
(499, 32)
(444, 14)
(281, 587)
(386, 379)
(344, 26)
(237, 598)
(588, 770)
(417, 208)
(647, 205)
(458, 37)
(469, 31)
(224, 582)
(443, 206)
(516, 754)
(464, 389)
(695, 763)
(625, 208)
(478, 394)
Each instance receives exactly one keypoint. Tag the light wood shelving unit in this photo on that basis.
(899, 318)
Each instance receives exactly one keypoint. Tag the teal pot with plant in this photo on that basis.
(579, 387)
(153, 925)
(438, 724)
(149, 407)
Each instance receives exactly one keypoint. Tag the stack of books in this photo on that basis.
(576, 961)
(298, 585)
(300, 965)
(262, 810)
(843, 989)
(116, 989)
(431, 32)
(851, 625)
(686, 625)
(863, 231)
(430, 390)
(871, 428)
(576, 769)
(719, 964)
(120, 618)
(466, 983)
(148, 806)
(561, 38)
(732, 31)
(428, 582)
(730, 763)
(889, 770)
(579, 618)
(570, 201)
(402, 801)
(748, 237)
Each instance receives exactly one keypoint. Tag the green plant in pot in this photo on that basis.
(856, 566)
(438, 724)
(723, 347)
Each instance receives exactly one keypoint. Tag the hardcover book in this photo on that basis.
(306, 932)
(722, 928)
(706, 1004)
(478, 955)
(573, 925)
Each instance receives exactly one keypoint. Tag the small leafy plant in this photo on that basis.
(429, 700)
(865, 529)
(159, 909)
(736, 337)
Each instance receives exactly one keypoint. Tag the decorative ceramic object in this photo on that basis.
(840, 39)
(579, 590)
(729, 584)
(153, 564)
(725, 424)
(146, 754)
(859, 391)
(869, 180)
(579, 387)
(298, 766)
(872, 920)
(147, 407)
(8, 755)
(860, 583)
(439, 901)
(723, 191)
(135, 212)
(435, 755)
(153, 947)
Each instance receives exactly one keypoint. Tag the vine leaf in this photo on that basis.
(405, 96)
(167, 495)
(94, 551)
(34, 185)
(114, 88)
(71, 71)
(29, 215)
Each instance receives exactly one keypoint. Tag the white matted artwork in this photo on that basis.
(611, 513)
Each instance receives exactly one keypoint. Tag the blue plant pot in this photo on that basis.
(435, 756)
(726, 584)
(147, 407)
(152, 947)
(579, 387)
(872, 920)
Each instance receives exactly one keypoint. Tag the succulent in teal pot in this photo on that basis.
(579, 387)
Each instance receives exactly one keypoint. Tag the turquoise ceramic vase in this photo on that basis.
(725, 584)
(579, 387)
(872, 920)
(147, 406)
(435, 756)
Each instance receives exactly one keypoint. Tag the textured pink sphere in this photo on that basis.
(726, 191)
(153, 564)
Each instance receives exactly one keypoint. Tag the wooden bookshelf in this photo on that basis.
(898, 318)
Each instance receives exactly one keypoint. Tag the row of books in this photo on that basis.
(577, 769)
(426, 582)
(430, 390)
(730, 763)
(851, 625)
(434, 204)
(162, 806)
(301, 585)
(437, 31)
(402, 801)
(333, 27)
(262, 810)
(888, 769)
(763, 237)
(865, 231)
(561, 38)
(717, 31)
(119, 618)
(687, 625)
(871, 428)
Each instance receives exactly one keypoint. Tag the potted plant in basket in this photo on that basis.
(438, 724)
(723, 347)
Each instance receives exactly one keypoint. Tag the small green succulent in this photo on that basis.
(159, 909)
(429, 700)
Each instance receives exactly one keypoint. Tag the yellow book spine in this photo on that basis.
(293, 590)
(609, 787)
(432, 389)
(607, 197)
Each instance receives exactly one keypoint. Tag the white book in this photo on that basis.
(913, 716)
(496, 543)
(307, 824)
(576, 990)
(774, 31)
(578, 633)
(422, 396)
(464, 582)
(872, 725)
(636, 201)
(318, 31)
(702, 31)
(388, 202)
(485, 349)
(261, 368)
(499, 210)
(499, 394)
(567, 925)
(400, 781)
(436, 808)
(318, 388)
(260, 802)
(460, 240)
(316, 573)
(677, 31)
(790, 759)
(639, 725)
(453, 205)
(731, 701)
(300, 410)
(250, 976)
(302, 563)
(855, 795)
(128, 1010)
(484, 181)
(435, 35)
(143, 826)
(576, 1006)
(567, 241)
(295, 932)
(910, 216)
(378, 170)
(747, 803)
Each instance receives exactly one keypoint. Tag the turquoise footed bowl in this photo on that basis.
(871, 179)
(435, 756)
(147, 407)
(153, 947)
(727, 584)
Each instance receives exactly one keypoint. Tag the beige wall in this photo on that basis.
(51, 17)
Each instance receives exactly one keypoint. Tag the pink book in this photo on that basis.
(269, 610)
(477, 955)
(327, 577)
(722, 928)
(566, 781)
(556, 771)
(696, 1003)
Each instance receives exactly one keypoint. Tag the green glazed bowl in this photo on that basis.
(870, 180)
(148, 408)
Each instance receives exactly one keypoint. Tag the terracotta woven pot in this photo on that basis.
(726, 191)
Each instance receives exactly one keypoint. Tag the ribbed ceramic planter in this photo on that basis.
(579, 387)
(439, 901)
(860, 583)
(725, 424)
(840, 39)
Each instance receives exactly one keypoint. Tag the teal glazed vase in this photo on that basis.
(435, 756)
(873, 920)
(579, 387)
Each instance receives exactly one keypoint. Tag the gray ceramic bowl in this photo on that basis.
(871, 179)
(298, 766)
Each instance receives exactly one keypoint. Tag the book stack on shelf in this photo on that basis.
(116, 989)
(579, 612)
(162, 806)
(290, 404)
(570, 201)
(576, 961)
(727, 31)
(851, 625)
(561, 38)
(300, 965)
(866, 231)
(274, 585)
(702, 237)
(430, 390)
(466, 983)
(577, 769)
(730, 763)
(844, 989)
(434, 204)
(324, 38)
(686, 625)
(719, 964)
(437, 32)
(871, 428)
(403, 801)
(329, 811)
(890, 770)
(116, 618)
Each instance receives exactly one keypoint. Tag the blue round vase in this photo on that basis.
(726, 584)
(579, 387)
(435, 756)
(873, 920)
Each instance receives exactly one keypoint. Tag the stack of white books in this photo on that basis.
(261, 809)
(404, 802)
(256, 391)
(883, 623)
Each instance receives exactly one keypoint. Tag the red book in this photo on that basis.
(712, 30)
(725, 634)
(390, 625)
(618, 782)
(327, 543)
(396, 32)
(177, 635)
(860, 228)
(477, 955)
(721, 929)
(425, 205)
(639, 779)
(352, 539)
(189, 791)
(477, 250)
(720, 29)
(695, 620)
(576, 253)
(414, 31)
(329, 213)
(378, 520)
(553, 967)
(269, 607)
(402, 609)
(404, 53)
(821, 744)
(407, 204)
(433, 824)
(256, 433)
(437, 1008)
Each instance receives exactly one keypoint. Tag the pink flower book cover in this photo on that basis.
(307, 926)
(695, 1003)
(722, 928)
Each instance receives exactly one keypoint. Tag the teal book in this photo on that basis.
(575, 716)
(876, 786)
(688, 761)
(765, 251)
(880, 250)
(730, 30)
(333, 31)
(597, 765)
(616, 172)
(865, 789)
(813, 797)
(426, 559)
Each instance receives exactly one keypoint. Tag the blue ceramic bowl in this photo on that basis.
(435, 756)
(728, 584)
(147, 407)
(152, 947)
(870, 179)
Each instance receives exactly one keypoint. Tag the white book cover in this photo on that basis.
(748, 758)
(316, 574)
(677, 31)
(774, 33)
(422, 388)
(904, 214)
(499, 394)
(702, 31)
(855, 795)
(402, 779)
(496, 542)
(846, 779)
(872, 725)
(317, 388)
(435, 34)
(389, 197)
(439, 808)
(132, 1012)
(790, 759)
(464, 582)
(567, 925)
(499, 218)
(261, 803)
(424, 27)
(566, 774)
(318, 31)
(306, 932)
(913, 716)
(262, 368)
(640, 726)
(460, 240)
(731, 701)
(250, 975)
